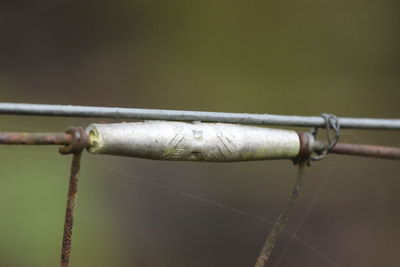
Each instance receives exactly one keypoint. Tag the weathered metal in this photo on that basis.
(69, 212)
(306, 149)
(35, 138)
(384, 152)
(306, 141)
(75, 147)
(79, 141)
(217, 142)
(283, 217)
(178, 115)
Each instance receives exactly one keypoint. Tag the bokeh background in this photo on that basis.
(279, 57)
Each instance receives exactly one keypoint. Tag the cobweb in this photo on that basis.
(298, 244)
(268, 221)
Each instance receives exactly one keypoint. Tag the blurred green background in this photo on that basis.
(279, 57)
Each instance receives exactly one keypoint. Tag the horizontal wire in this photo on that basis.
(177, 115)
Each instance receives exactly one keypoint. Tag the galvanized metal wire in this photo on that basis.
(331, 125)
(177, 115)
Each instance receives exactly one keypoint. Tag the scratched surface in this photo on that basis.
(193, 141)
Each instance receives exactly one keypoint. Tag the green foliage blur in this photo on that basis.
(278, 57)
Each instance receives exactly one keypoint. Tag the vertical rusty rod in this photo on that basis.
(283, 218)
(69, 212)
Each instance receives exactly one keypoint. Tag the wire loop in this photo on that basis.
(332, 127)
(78, 143)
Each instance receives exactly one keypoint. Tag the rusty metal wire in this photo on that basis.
(79, 141)
(69, 212)
(77, 145)
(75, 140)
(35, 138)
(283, 218)
(384, 152)
(307, 148)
